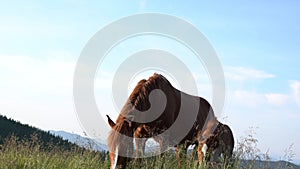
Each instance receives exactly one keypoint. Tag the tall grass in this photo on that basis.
(28, 154)
(15, 154)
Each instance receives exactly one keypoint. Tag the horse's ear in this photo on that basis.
(132, 124)
(128, 122)
(110, 122)
(131, 121)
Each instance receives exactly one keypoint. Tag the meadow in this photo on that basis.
(28, 154)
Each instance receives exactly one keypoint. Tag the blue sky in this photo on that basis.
(257, 43)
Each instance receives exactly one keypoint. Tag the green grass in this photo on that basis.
(16, 154)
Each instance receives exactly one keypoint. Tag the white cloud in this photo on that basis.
(254, 99)
(243, 73)
(248, 98)
(277, 99)
(295, 87)
(269, 111)
(38, 91)
(28, 73)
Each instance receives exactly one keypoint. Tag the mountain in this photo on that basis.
(81, 141)
(269, 164)
(9, 127)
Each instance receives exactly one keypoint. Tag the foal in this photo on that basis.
(221, 142)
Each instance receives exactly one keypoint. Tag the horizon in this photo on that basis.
(256, 42)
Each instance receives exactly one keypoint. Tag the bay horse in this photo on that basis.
(120, 139)
(220, 142)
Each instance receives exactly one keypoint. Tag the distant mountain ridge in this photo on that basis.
(270, 164)
(9, 127)
(81, 141)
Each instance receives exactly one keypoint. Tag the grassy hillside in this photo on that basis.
(9, 127)
(17, 154)
(23, 146)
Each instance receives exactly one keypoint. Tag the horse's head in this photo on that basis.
(120, 142)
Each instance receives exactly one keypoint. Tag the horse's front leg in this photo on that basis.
(140, 147)
(139, 143)
(202, 150)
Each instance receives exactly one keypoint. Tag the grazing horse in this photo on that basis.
(221, 142)
(120, 139)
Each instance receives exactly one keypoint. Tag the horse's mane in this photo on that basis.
(114, 137)
(139, 100)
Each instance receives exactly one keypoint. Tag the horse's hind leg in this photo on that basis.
(228, 153)
(216, 154)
